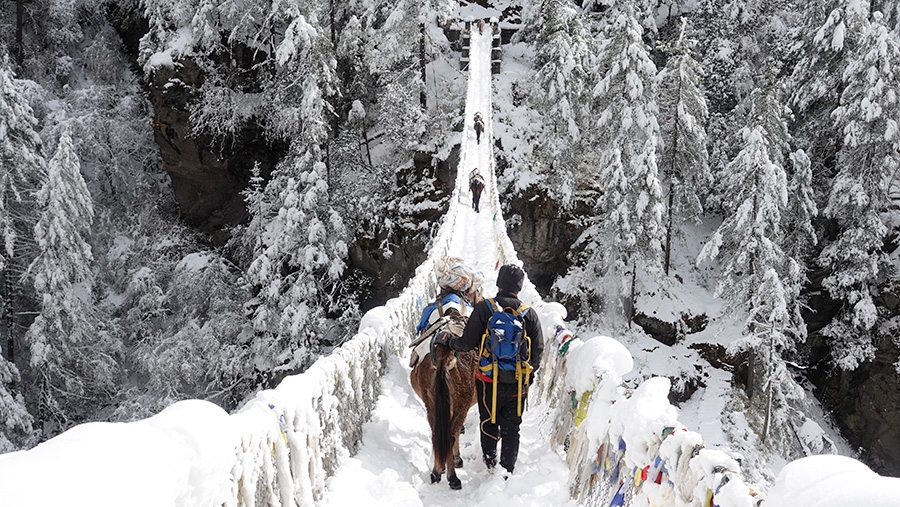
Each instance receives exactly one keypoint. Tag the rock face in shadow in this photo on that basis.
(670, 332)
(542, 236)
(382, 276)
(864, 403)
(207, 175)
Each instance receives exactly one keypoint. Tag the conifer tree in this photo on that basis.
(15, 422)
(770, 320)
(625, 235)
(833, 31)
(754, 264)
(800, 238)
(867, 160)
(626, 96)
(297, 274)
(21, 163)
(891, 11)
(562, 93)
(71, 355)
(683, 116)
(20, 159)
(749, 241)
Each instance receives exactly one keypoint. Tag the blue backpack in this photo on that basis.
(506, 346)
(450, 301)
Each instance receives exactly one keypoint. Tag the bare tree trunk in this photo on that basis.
(365, 138)
(333, 28)
(423, 98)
(669, 229)
(20, 20)
(328, 169)
(751, 374)
(633, 293)
(751, 366)
(769, 392)
(6, 321)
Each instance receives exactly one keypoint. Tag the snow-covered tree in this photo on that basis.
(21, 163)
(749, 240)
(757, 275)
(800, 234)
(625, 236)
(198, 346)
(564, 58)
(15, 423)
(800, 238)
(771, 320)
(891, 11)
(683, 116)
(832, 32)
(630, 137)
(297, 275)
(74, 358)
(866, 163)
(20, 159)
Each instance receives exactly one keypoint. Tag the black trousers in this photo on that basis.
(506, 429)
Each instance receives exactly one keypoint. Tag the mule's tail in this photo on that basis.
(443, 445)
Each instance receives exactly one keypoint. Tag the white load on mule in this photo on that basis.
(459, 288)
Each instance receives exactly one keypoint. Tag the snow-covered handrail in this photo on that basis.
(276, 450)
(627, 448)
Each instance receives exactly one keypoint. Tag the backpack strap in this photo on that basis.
(487, 330)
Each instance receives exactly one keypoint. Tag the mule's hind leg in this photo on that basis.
(435, 476)
(454, 461)
(457, 460)
(437, 470)
(452, 479)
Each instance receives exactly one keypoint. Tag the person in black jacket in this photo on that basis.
(508, 418)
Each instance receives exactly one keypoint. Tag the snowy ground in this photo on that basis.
(393, 465)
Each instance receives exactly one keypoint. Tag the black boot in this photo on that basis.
(509, 453)
(490, 460)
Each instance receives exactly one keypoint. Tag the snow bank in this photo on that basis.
(832, 481)
(181, 456)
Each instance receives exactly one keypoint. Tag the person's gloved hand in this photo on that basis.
(442, 339)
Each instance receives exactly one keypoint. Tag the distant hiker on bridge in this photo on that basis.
(479, 127)
(508, 336)
(476, 185)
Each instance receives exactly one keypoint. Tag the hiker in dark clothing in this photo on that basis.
(476, 185)
(507, 409)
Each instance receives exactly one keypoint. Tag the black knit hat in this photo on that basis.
(510, 278)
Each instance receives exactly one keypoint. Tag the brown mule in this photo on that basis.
(446, 384)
